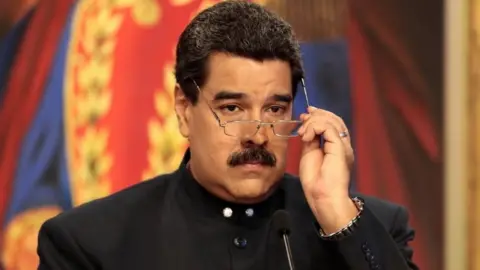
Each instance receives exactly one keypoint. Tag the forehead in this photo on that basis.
(257, 79)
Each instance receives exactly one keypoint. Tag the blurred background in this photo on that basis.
(86, 107)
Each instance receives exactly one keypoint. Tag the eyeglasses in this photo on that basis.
(248, 128)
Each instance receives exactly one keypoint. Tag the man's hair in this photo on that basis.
(238, 28)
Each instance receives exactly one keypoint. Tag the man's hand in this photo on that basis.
(325, 172)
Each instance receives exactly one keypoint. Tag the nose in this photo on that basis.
(260, 137)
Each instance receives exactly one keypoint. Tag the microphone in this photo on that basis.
(281, 224)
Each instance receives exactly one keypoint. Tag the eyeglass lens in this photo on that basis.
(250, 128)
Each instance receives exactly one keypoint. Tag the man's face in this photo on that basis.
(242, 166)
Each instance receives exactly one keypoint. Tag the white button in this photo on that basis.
(249, 212)
(227, 212)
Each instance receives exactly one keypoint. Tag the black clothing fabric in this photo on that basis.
(171, 222)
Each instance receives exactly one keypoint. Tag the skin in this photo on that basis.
(324, 173)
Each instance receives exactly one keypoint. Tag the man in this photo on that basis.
(225, 207)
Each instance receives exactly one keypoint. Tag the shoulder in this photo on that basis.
(394, 217)
(120, 201)
(105, 217)
(389, 213)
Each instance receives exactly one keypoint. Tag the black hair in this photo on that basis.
(239, 28)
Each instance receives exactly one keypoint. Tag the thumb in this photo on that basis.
(312, 157)
(310, 147)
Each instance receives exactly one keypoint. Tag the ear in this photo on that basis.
(183, 111)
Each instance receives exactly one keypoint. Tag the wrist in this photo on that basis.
(334, 214)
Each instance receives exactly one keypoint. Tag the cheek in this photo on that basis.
(280, 148)
(210, 137)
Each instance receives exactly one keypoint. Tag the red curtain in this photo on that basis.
(396, 67)
(26, 84)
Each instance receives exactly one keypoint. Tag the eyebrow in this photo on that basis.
(225, 95)
(282, 98)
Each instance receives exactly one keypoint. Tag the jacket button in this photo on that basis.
(240, 242)
(227, 212)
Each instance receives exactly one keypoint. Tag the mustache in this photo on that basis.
(252, 155)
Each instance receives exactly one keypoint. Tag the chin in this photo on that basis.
(250, 190)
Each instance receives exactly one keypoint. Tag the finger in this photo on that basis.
(346, 140)
(312, 130)
(305, 116)
(311, 109)
(339, 125)
(321, 120)
(310, 139)
(335, 120)
(307, 119)
(312, 127)
(333, 142)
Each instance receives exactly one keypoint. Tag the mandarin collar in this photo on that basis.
(197, 201)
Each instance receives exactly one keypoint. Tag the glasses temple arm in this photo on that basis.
(305, 92)
(201, 94)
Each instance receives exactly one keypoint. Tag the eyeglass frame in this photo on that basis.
(260, 123)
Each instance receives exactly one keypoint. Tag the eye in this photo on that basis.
(277, 109)
(229, 108)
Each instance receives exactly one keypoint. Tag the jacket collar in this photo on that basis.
(199, 201)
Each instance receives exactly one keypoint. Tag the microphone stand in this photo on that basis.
(288, 251)
(281, 224)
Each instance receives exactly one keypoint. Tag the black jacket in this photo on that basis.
(171, 222)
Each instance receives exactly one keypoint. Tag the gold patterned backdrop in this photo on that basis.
(105, 153)
(473, 140)
(119, 127)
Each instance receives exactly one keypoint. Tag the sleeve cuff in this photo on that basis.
(361, 249)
